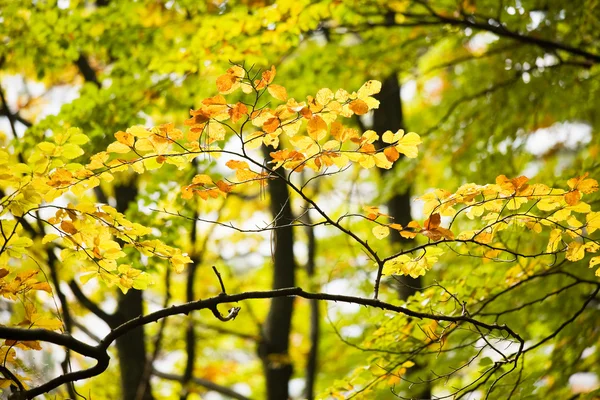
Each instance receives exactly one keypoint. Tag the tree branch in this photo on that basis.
(99, 352)
(502, 31)
(96, 352)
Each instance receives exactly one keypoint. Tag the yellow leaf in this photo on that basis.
(575, 251)
(408, 143)
(202, 179)
(324, 96)
(152, 163)
(78, 137)
(46, 322)
(548, 203)
(46, 147)
(554, 241)
(583, 185)
(118, 147)
(84, 278)
(381, 161)
(381, 231)
(592, 221)
(369, 88)
(277, 91)
(71, 151)
(49, 237)
(139, 131)
(367, 161)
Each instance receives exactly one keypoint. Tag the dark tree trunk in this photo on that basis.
(315, 318)
(131, 347)
(273, 348)
(389, 116)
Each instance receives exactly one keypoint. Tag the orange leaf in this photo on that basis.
(359, 107)
(572, 197)
(125, 138)
(433, 221)
(42, 286)
(225, 82)
(391, 154)
(306, 113)
(267, 78)
(187, 192)
(271, 125)
(216, 100)
(316, 128)
(336, 130)
(234, 164)
(237, 112)
(68, 227)
(411, 230)
(223, 186)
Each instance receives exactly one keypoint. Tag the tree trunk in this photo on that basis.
(389, 116)
(273, 348)
(131, 347)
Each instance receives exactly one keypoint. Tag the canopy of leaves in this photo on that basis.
(140, 142)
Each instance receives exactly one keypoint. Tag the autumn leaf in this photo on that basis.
(271, 125)
(391, 153)
(369, 88)
(118, 147)
(266, 78)
(324, 96)
(433, 221)
(68, 227)
(125, 138)
(316, 128)
(230, 81)
(381, 231)
(237, 112)
(583, 184)
(277, 91)
(407, 144)
(359, 107)
(572, 197)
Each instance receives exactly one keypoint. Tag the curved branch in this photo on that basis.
(12, 377)
(212, 302)
(502, 31)
(96, 352)
(100, 353)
